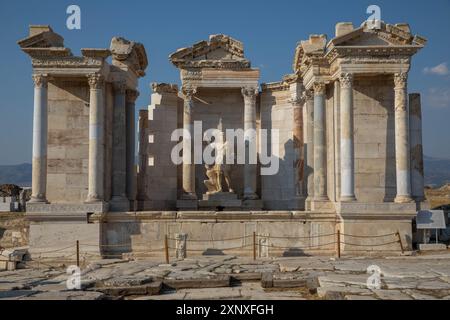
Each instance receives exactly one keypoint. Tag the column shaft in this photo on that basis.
(309, 168)
(320, 160)
(40, 120)
(402, 139)
(415, 129)
(347, 143)
(132, 95)
(299, 144)
(96, 138)
(188, 157)
(119, 145)
(250, 166)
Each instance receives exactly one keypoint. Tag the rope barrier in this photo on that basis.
(51, 251)
(254, 244)
(213, 240)
(377, 236)
(369, 245)
(310, 237)
(222, 249)
(308, 247)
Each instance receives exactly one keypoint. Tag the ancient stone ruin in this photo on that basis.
(342, 133)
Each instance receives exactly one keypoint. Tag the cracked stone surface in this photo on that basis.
(401, 278)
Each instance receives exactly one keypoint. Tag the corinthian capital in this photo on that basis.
(308, 95)
(249, 92)
(40, 80)
(189, 92)
(120, 87)
(95, 80)
(400, 80)
(319, 87)
(346, 80)
(131, 96)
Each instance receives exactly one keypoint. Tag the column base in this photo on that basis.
(403, 199)
(38, 200)
(321, 198)
(187, 205)
(188, 196)
(119, 203)
(93, 199)
(250, 196)
(347, 198)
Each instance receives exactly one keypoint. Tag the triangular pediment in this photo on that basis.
(384, 35)
(218, 50)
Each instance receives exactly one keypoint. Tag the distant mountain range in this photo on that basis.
(437, 173)
(19, 174)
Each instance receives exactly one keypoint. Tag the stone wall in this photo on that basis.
(160, 187)
(278, 191)
(375, 179)
(68, 142)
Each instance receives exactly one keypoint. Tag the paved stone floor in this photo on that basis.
(229, 277)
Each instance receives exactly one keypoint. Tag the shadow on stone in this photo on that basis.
(294, 252)
(213, 252)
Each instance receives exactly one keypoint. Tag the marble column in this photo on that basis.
(40, 120)
(297, 133)
(309, 140)
(250, 166)
(96, 138)
(119, 148)
(347, 143)
(402, 139)
(188, 146)
(320, 159)
(415, 133)
(131, 97)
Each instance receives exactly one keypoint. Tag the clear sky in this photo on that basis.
(269, 30)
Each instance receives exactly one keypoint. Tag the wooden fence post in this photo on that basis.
(166, 248)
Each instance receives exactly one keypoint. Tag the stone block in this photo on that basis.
(432, 247)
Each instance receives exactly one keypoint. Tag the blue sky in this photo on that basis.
(269, 30)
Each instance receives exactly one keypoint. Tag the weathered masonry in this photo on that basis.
(349, 145)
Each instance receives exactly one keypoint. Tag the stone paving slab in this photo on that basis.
(229, 277)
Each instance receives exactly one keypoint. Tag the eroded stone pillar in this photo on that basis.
(119, 197)
(131, 96)
(320, 160)
(250, 167)
(347, 143)
(188, 147)
(180, 245)
(40, 121)
(309, 141)
(415, 133)
(402, 139)
(96, 138)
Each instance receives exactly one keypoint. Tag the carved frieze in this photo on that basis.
(69, 62)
